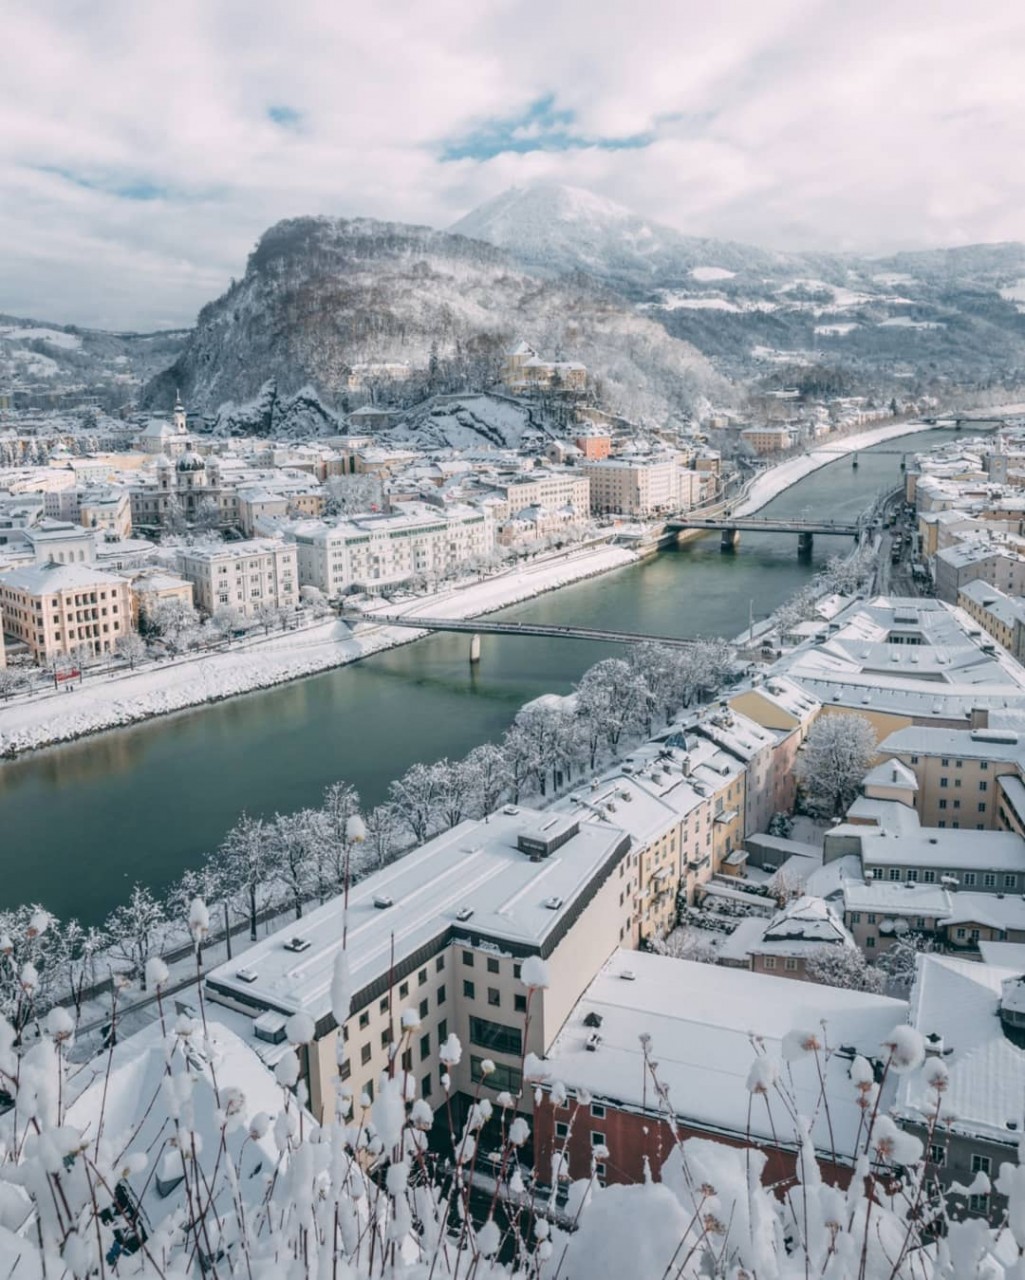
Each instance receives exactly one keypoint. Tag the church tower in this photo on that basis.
(180, 425)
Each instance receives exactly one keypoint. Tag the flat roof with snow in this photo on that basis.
(702, 1020)
(515, 902)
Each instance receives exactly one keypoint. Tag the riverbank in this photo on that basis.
(130, 697)
(111, 702)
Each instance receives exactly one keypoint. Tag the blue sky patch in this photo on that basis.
(133, 189)
(287, 117)
(541, 127)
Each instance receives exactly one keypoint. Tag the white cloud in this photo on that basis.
(795, 123)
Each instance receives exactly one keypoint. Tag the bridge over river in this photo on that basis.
(476, 627)
(731, 528)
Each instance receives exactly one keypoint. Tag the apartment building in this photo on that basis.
(374, 552)
(245, 576)
(956, 773)
(441, 936)
(550, 488)
(63, 608)
(784, 708)
(637, 487)
(767, 439)
(1001, 615)
(699, 1022)
(524, 370)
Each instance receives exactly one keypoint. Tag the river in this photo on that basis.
(79, 823)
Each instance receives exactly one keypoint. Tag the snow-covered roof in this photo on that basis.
(476, 867)
(701, 1020)
(134, 1116)
(959, 1001)
(801, 927)
(891, 773)
(949, 848)
(45, 579)
(963, 744)
(896, 898)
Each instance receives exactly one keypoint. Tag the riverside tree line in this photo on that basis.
(267, 865)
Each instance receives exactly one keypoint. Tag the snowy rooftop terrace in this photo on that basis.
(516, 904)
(702, 1020)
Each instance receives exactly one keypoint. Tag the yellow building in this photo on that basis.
(62, 608)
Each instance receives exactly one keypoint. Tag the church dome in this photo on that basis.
(191, 461)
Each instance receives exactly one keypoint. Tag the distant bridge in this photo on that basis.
(732, 527)
(476, 627)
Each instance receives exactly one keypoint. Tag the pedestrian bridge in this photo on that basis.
(476, 627)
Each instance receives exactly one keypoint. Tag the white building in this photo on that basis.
(634, 486)
(373, 552)
(246, 576)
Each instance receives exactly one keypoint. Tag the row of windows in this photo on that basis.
(968, 879)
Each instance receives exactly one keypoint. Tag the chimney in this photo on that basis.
(979, 718)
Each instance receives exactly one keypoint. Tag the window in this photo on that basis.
(982, 806)
(871, 918)
(958, 764)
(426, 1086)
(944, 782)
(439, 964)
(494, 999)
(517, 970)
(364, 1054)
(855, 917)
(520, 1004)
(468, 959)
(425, 1046)
(989, 880)
(442, 1031)
(912, 875)
(407, 1060)
(943, 804)
(404, 991)
(597, 1139)
(345, 1070)
(983, 764)
(468, 989)
(597, 1111)
(599, 1172)
(369, 1090)
(968, 878)
(894, 873)
(959, 933)
(945, 762)
(383, 1006)
(386, 1037)
(425, 1008)
(561, 1130)
(421, 978)
(493, 965)
(983, 785)
(914, 759)
(870, 943)
(441, 995)
(769, 962)
(503, 1077)
(1010, 882)
(364, 1020)
(937, 1153)
(497, 1036)
(978, 1204)
(790, 964)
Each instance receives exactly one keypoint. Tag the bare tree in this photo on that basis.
(840, 966)
(294, 839)
(245, 862)
(383, 827)
(487, 773)
(132, 648)
(417, 798)
(835, 757)
(137, 929)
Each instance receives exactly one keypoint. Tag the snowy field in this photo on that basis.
(110, 702)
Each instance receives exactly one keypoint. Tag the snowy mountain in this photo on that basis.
(322, 297)
(561, 229)
(911, 321)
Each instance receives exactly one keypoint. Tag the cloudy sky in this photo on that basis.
(145, 146)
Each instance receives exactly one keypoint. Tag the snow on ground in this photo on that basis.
(772, 482)
(711, 273)
(69, 341)
(109, 702)
(837, 330)
(905, 322)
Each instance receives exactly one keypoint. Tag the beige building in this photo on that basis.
(62, 608)
(246, 576)
(767, 439)
(550, 488)
(374, 552)
(523, 370)
(635, 486)
(154, 587)
(436, 944)
(1003, 616)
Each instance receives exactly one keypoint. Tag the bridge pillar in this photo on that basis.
(729, 540)
(805, 543)
(474, 650)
